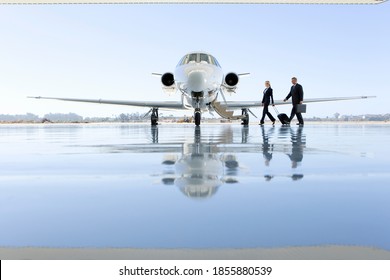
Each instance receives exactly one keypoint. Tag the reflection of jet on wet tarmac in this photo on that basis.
(199, 165)
(201, 168)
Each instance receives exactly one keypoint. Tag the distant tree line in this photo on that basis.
(20, 118)
(67, 118)
(354, 118)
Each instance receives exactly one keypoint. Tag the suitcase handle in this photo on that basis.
(276, 110)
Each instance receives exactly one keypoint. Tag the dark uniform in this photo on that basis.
(267, 98)
(296, 93)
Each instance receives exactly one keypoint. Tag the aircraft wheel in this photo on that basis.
(245, 120)
(154, 117)
(197, 118)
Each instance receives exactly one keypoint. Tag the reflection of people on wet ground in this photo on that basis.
(297, 177)
(266, 146)
(268, 177)
(294, 177)
(298, 144)
(284, 132)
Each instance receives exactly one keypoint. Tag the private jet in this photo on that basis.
(199, 78)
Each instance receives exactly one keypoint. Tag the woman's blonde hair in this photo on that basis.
(268, 82)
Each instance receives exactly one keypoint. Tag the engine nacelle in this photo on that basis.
(167, 79)
(231, 81)
(168, 83)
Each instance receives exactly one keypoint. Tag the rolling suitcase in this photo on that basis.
(283, 118)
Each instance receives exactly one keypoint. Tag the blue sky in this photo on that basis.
(109, 51)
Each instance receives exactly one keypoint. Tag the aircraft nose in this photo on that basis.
(196, 81)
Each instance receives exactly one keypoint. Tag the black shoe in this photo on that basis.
(261, 123)
(300, 124)
(273, 123)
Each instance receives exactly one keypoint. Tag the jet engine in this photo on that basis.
(167, 79)
(231, 81)
(168, 83)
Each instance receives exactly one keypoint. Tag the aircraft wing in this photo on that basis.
(235, 105)
(174, 105)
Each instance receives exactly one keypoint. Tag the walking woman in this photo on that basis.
(267, 98)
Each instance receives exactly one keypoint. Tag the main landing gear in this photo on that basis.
(154, 117)
(245, 118)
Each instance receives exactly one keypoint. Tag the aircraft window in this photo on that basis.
(191, 58)
(181, 62)
(204, 58)
(214, 61)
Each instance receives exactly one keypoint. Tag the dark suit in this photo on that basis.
(267, 98)
(296, 92)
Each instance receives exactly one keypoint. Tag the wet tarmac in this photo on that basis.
(176, 186)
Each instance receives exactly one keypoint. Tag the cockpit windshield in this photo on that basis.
(204, 58)
(199, 58)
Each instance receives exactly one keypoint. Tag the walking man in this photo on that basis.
(296, 92)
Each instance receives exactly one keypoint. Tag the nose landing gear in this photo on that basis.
(197, 117)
